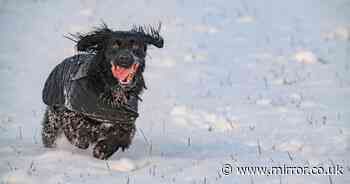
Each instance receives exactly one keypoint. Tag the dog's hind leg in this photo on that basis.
(50, 129)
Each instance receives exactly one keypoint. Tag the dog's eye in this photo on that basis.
(139, 52)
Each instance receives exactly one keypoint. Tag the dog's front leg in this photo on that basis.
(79, 130)
(115, 137)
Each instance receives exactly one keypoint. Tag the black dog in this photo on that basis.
(93, 97)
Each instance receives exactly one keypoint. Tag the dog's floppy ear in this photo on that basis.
(150, 35)
(91, 42)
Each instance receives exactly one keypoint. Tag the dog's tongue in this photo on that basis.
(121, 73)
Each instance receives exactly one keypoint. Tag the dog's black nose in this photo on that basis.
(125, 60)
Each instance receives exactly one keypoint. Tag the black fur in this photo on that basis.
(86, 102)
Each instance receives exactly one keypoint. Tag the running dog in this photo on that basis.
(92, 97)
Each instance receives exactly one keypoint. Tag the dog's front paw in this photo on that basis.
(104, 149)
(77, 138)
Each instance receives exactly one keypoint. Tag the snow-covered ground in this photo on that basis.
(246, 82)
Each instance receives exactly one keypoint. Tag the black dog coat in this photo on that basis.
(93, 97)
(72, 84)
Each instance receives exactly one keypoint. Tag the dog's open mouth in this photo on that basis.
(124, 75)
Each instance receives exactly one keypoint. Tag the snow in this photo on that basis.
(306, 57)
(242, 82)
(340, 33)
